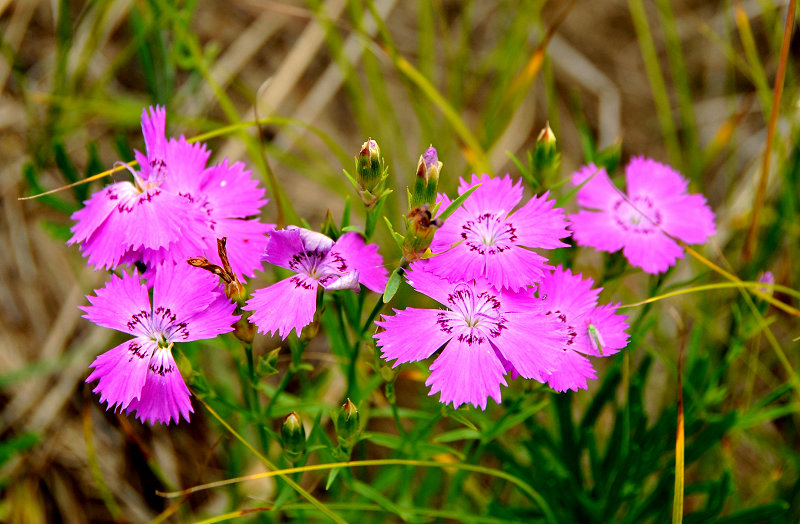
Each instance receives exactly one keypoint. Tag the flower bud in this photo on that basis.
(370, 172)
(420, 227)
(347, 423)
(766, 278)
(546, 136)
(235, 291)
(244, 330)
(293, 437)
(545, 156)
(427, 179)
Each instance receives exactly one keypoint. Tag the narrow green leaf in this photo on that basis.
(392, 285)
(395, 235)
(454, 205)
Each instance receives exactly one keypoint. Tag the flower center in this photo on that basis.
(488, 233)
(158, 172)
(161, 327)
(473, 317)
(637, 216)
(314, 264)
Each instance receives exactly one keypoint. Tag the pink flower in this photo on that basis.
(482, 330)
(140, 375)
(484, 238)
(656, 208)
(318, 261)
(174, 209)
(592, 330)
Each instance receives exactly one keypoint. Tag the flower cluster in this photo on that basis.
(178, 210)
(485, 273)
(175, 207)
(506, 311)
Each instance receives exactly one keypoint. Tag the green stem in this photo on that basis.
(253, 399)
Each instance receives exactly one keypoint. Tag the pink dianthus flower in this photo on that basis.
(140, 375)
(592, 329)
(318, 261)
(656, 208)
(482, 330)
(485, 238)
(174, 209)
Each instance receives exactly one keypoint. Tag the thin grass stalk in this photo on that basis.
(757, 73)
(710, 287)
(657, 84)
(521, 484)
(750, 243)
(683, 91)
(472, 150)
(677, 500)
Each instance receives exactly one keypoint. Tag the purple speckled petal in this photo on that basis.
(119, 303)
(533, 343)
(165, 396)
(284, 306)
(410, 335)
(539, 224)
(122, 372)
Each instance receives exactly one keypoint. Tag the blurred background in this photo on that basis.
(687, 82)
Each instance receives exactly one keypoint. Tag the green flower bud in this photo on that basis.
(420, 227)
(347, 423)
(545, 156)
(427, 179)
(546, 136)
(370, 171)
(293, 437)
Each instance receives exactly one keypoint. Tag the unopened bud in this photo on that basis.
(427, 179)
(546, 136)
(370, 172)
(293, 437)
(545, 156)
(420, 227)
(235, 291)
(766, 278)
(244, 330)
(347, 423)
